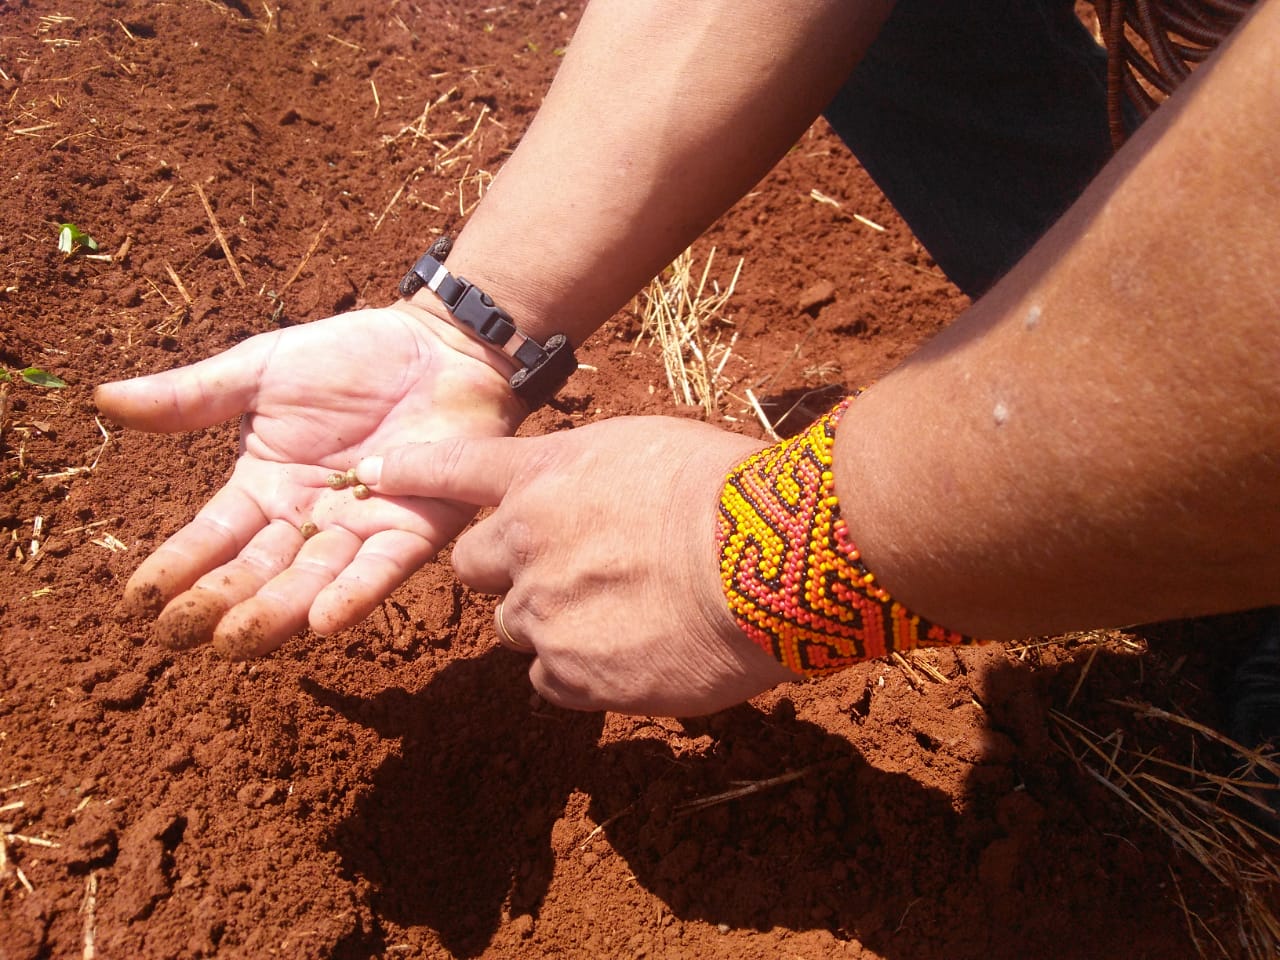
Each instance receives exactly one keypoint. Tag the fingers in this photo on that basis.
(190, 397)
(263, 622)
(191, 617)
(252, 605)
(385, 561)
(248, 585)
(476, 470)
(554, 689)
(216, 536)
(482, 558)
(505, 637)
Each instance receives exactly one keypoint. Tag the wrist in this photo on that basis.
(542, 366)
(477, 379)
(794, 579)
(428, 309)
(725, 649)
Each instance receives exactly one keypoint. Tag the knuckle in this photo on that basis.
(522, 542)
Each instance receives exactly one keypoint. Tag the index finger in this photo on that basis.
(216, 535)
(474, 470)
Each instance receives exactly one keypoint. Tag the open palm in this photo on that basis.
(314, 399)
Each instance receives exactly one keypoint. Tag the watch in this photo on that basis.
(544, 367)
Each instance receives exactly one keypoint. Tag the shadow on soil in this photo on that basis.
(455, 834)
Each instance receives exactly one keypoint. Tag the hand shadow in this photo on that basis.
(805, 850)
(457, 827)
(1005, 858)
(454, 834)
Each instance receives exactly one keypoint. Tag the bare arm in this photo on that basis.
(662, 115)
(1098, 440)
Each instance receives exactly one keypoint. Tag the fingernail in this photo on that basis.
(369, 470)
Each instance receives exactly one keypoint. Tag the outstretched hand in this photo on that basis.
(604, 546)
(314, 399)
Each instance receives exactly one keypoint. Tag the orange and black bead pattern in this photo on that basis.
(792, 575)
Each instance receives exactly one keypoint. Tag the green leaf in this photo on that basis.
(69, 235)
(42, 378)
(4, 376)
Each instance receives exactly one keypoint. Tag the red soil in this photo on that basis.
(397, 791)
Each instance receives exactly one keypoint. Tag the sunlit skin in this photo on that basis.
(1094, 442)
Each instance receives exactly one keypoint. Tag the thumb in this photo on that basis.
(474, 470)
(191, 397)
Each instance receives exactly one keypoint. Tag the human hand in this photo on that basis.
(315, 398)
(604, 546)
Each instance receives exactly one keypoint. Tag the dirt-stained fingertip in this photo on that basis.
(246, 641)
(189, 620)
(142, 602)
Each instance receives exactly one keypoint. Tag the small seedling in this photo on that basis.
(71, 239)
(36, 377)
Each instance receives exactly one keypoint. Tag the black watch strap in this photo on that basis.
(544, 367)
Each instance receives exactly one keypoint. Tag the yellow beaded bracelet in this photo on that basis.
(794, 580)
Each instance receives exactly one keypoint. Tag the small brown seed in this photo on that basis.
(352, 479)
(308, 530)
(336, 481)
(361, 492)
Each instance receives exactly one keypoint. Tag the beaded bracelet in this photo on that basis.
(794, 580)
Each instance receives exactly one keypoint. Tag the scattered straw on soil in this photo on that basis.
(1215, 819)
(677, 312)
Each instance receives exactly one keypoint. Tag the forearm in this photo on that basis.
(662, 115)
(1098, 440)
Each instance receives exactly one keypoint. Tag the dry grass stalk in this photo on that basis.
(820, 197)
(481, 179)
(6, 864)
(913, 678)
(604, 825)
(33, 841)
(396, 196)
(177, 281)
(676, 311)
(741, 790)
(346, 43)
(927, 668)
(222, 240)
(89, 908)
(6, 404)
(1202, 816)
(465, 140)
(21, 784)
(305, 259)
(1084, 673)
(77, 471)
(754, 402)
(418, 129)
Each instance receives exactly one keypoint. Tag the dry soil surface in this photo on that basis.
(396, 790)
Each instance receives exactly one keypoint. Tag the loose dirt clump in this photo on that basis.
(396, 790)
